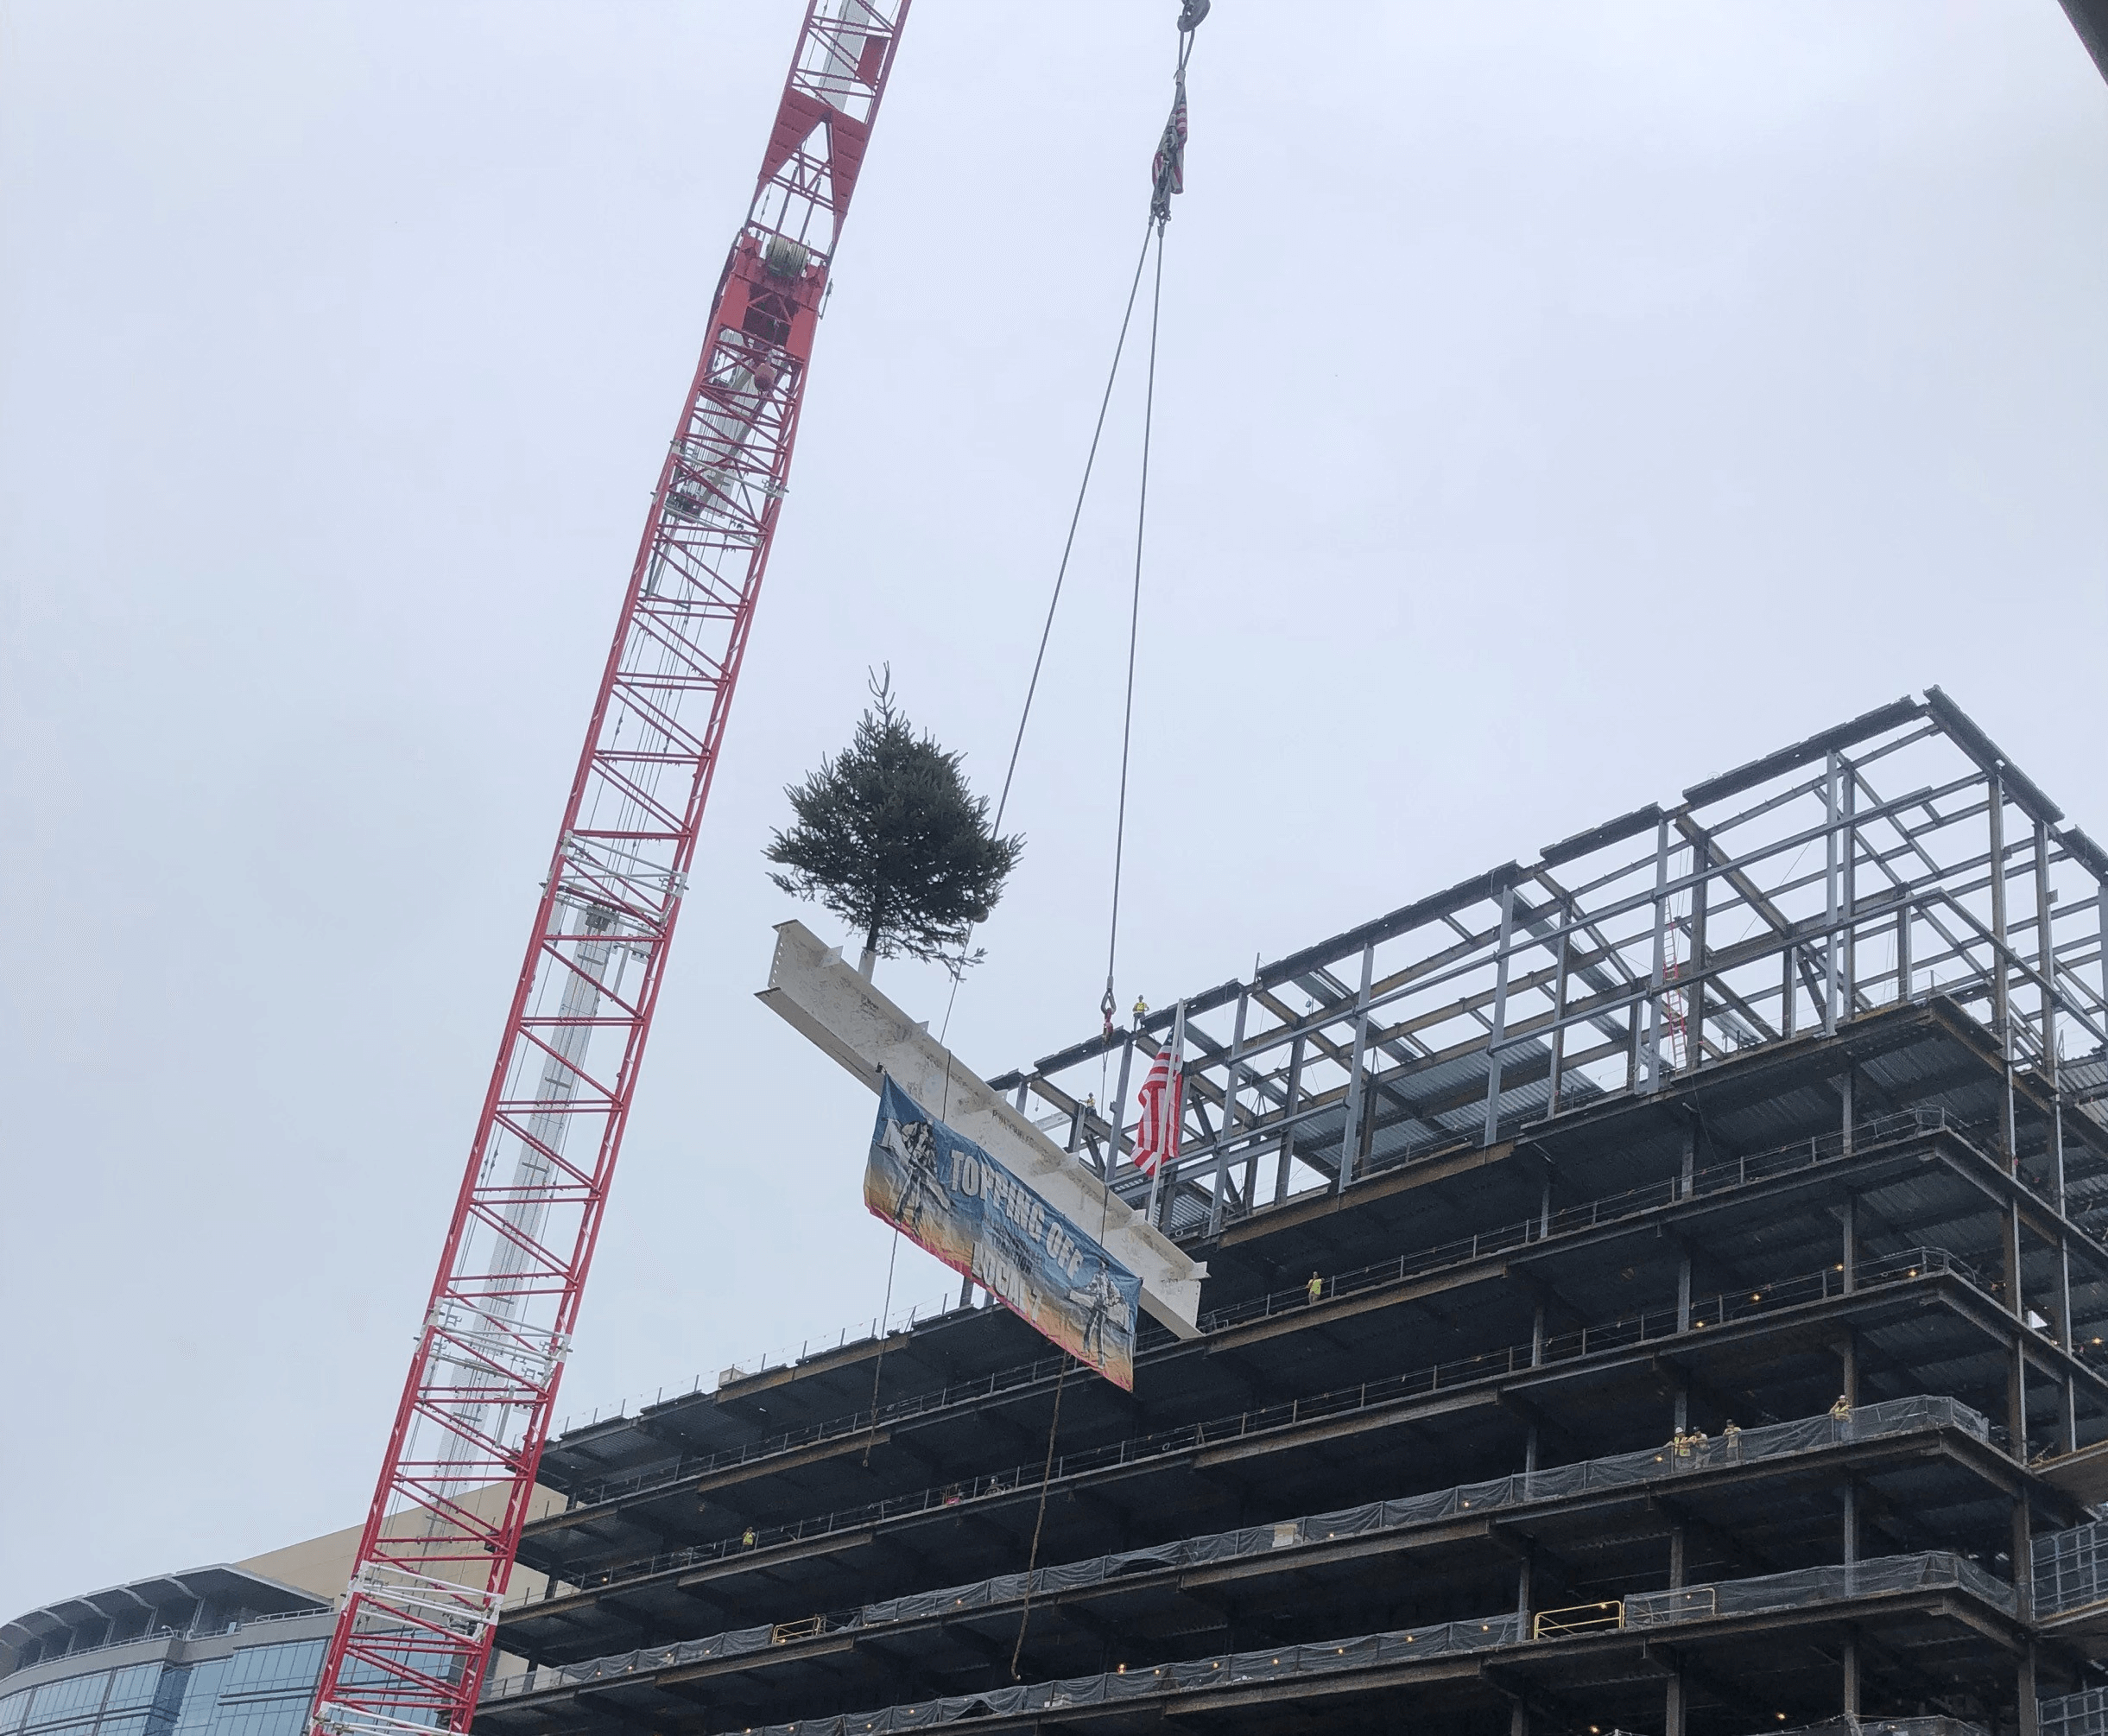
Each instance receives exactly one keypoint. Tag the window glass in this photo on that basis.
(200, 1694)
(131, 1688)
(273, 1669)
(60, 1703)
(359, 1673)
(124, 1723)
(280, 1717)
(13, 1707)
(168, 1699)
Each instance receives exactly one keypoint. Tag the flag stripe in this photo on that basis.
(1161, 1103)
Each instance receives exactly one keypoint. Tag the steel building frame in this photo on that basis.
(1850, 870)
(1752, 1120)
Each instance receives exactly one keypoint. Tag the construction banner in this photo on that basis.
(946, 1194)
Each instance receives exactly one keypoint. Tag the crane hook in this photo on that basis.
(1190, 15)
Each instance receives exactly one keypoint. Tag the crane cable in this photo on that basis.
(1053, 602)
(958, 968)
(1167, 177)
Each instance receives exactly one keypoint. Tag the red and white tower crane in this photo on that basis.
(413, 1638)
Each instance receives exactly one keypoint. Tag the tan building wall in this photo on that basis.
(323, 1565)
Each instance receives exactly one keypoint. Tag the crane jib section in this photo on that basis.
(414, 1632)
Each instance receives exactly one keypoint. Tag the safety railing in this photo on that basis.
(1937, 1570)
(2074, 1714)
(905, 1317)
(1685, 1455)
(1590, 1215)
(1928, 1724)
(1400, 1646)
(1689, 1603)
(2071, 1569)
(1626, 1332)
(195, 1628)
(1709, 1181)
(1580, 1618)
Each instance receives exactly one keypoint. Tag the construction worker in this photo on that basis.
(746, 1538)
(1315, 1288)
(1730, 1441)
(1841, 1411)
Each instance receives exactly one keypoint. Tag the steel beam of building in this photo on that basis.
(1659, 1286)
(2090, 19)
(814, 990)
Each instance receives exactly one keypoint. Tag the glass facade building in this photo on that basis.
(217, 1652)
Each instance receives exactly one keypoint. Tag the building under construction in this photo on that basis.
(1658, 1288)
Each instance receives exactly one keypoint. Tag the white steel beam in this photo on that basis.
(813, 989)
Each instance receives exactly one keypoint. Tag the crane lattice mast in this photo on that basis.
(413, 1637)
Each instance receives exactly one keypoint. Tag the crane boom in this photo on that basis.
(414, 1633)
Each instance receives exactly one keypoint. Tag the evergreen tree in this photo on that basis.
(888, 838)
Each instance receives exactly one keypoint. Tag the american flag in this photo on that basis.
(1168, 168)
(1161, 1101)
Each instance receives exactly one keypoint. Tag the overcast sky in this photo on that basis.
(1556, 404)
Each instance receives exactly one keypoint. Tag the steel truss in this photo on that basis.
(413, 1634)
(1849, 871)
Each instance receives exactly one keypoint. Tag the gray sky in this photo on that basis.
(1556, 404)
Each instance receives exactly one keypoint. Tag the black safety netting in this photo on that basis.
(1938, 1724)
(1279, 1664)
(1282, 1664)
(1692, 1453)
(1938, 1570)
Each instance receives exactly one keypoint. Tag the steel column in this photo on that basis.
(1500, 1017)
(1350, 1132)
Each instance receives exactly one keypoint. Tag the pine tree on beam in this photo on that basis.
(886, 835)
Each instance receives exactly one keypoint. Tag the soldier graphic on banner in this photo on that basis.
(1102, 1306)
(949, 1197)
(915, 1143)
